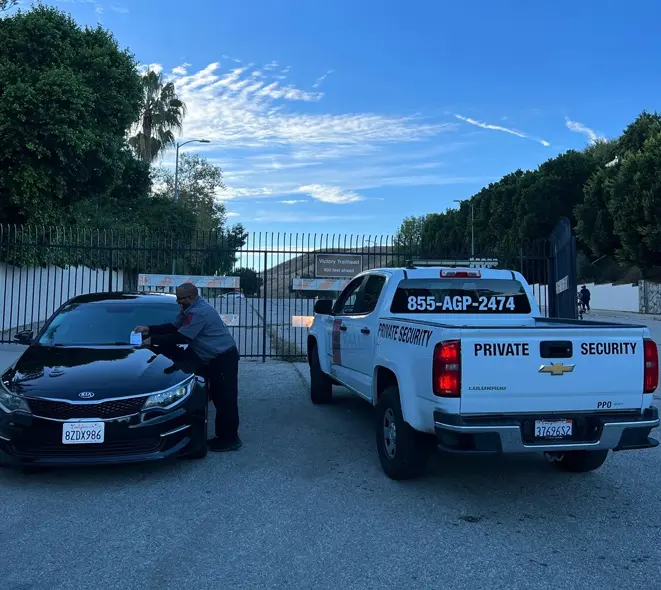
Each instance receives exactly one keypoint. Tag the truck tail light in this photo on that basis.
(461, 274)
(446, 371)
(651, 374)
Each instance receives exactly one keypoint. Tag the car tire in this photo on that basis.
(321, 386)
(582, 461)
(406, 456)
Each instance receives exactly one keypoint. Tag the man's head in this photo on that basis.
(186, 294)
(583, 287)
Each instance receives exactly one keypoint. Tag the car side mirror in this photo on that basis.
(25, 337)
(323, 307)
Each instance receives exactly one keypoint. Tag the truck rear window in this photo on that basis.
(460, 295)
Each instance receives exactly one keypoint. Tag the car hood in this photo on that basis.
(107, 372)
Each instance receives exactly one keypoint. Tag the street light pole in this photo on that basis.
(176, 173)
(472, 226)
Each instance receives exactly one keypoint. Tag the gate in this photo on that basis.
(263, 284)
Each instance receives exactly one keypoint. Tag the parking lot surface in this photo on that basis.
(304, 504)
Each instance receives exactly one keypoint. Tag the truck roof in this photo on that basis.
(429, 272)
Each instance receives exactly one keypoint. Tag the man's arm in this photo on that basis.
(162, 329)
(168, 339)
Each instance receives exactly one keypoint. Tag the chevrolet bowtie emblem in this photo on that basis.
(556, 369)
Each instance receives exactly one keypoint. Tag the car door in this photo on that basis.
(358, 338)
(339, 343)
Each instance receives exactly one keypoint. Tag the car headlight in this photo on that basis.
(10, 402)
(170, 397)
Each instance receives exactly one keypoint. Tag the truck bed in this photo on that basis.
(540, 323)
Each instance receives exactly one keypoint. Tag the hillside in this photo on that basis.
(279, 277)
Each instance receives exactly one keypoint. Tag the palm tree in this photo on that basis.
(162, 113)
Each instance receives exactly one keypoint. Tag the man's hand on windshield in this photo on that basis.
(141, 329)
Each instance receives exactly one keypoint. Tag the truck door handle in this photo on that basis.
(343, 328)
(365, 331)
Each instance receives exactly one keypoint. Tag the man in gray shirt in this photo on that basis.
(200, 326)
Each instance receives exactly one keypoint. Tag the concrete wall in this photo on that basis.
(29, 296)
(613, 297)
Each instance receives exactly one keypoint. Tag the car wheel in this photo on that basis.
(582, 461)
(403, 451)
(321, 387)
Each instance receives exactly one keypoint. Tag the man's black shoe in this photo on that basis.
(219, 445)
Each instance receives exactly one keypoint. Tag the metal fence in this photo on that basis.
(280, 274)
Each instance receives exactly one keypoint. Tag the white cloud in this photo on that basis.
(274, 217)
(331, 194)
(119, 9)
(501, 128)
(593, 136)
(293, 201)
(320, 79)
(181, 70)
(231, 214)
(142, 68)
(232, 107)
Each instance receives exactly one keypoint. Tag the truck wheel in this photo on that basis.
(321, 387)
(402, 450)
(582, 461)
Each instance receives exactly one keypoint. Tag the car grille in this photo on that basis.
(66, 411)
(32, 448)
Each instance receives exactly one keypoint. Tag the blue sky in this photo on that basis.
(347, 116)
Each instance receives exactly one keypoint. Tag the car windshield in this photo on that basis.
(104, 323)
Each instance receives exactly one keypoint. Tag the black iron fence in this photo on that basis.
(268, 306)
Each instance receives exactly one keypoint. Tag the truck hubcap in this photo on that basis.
(389, 433)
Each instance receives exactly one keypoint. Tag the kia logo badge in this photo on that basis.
(86, 394)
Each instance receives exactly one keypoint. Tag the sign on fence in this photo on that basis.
(230, 319)
(337, 265)
(210, 282)
(319, 284)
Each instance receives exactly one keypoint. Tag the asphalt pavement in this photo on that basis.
(305, 504)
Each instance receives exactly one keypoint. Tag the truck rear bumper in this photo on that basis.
(515, 434)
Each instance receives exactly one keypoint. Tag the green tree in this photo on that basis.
(250, 281)
(67, 98)
(161, 113)
(635, 204)
(199, 183)
(7, 4)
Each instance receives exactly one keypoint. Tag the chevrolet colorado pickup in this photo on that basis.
(461, 358)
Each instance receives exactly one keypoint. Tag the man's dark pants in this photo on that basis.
(223, 375)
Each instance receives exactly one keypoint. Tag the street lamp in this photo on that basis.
(472, 226)
(176, 173)
(176, 164)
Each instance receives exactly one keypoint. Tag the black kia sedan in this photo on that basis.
(81, 393)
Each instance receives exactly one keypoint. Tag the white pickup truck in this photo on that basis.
(461, 358)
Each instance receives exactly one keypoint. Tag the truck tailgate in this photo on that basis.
(515, 370)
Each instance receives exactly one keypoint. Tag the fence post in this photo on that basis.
(266, 258)
(110, 270)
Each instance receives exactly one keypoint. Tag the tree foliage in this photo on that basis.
(611, 191)
(161, 113)
(250, 281)
(199, 184)
(67, 97)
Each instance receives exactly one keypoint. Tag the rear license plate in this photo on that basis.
(81, 433)
(553, 428)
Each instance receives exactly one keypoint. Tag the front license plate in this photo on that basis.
(553, 428)
(81, 433)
